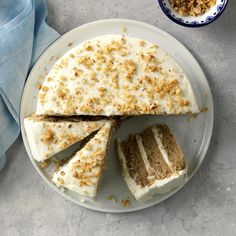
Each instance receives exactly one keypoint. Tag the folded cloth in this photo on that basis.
(24, 35)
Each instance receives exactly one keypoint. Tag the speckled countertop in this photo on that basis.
(205, 206)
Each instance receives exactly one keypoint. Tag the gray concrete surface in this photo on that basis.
(29, 207)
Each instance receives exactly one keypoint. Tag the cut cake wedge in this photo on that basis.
(50, 135)
(83, 172)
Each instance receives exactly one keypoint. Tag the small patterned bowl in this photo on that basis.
(194, 21)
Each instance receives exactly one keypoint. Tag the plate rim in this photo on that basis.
(208, 125)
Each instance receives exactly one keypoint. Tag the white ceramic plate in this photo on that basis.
(193, 134)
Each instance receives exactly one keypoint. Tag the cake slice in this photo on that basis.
(83, 172)
(152, 162)
(50, 135)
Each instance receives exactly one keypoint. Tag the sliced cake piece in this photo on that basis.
(50, 135)
(116, 75)
(152, 162)
(83, 172)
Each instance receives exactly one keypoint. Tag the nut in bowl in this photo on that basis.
(193, 13)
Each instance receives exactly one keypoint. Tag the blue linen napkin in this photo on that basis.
(24, 35)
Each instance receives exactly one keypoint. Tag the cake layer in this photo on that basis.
(172, 148)
(49, 135)
(134, 161)
(83, 172)
(163, 163)
(116, 75)
(160, 167)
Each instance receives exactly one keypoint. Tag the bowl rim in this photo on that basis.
(192, 25)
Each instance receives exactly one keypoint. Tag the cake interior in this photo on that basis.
(173, 150)
(58, 119)
(134, 161)
(147, 167)
(155, 158)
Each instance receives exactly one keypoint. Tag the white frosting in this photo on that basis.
(143, 154)
(160, 145)
(87, 154)
(167, 184)
(64, 67)
(65, 133)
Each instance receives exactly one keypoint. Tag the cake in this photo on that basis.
(115, 75)
(83, 172)
(50, 135)
(152, 162)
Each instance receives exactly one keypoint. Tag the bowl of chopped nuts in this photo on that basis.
(193, 13)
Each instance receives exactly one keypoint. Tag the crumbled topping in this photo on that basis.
(89, 48)
(192, 7)
(48, 136)
(86, 61)
(204, 109)
(124, 29)
(38, 85)
(142, 43)
(60, 180)
(44, 164)
(125, 202)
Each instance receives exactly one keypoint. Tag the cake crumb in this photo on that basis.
(204, 109)
(70, 44)
(111, 198)
(38, 85)
(124, 29)
(44, 164)
(125, 202)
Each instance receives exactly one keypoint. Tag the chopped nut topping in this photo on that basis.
(48, 136)
(44, 89)
(86, 61)
(77, 72)
(192, 7)
(125, 202)
(142, 43)
(204, 109)
(183, 102)
(101, 89)
(62, 92)
(39, 85)
(43, 164)
(89, 48)
(60, 180)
